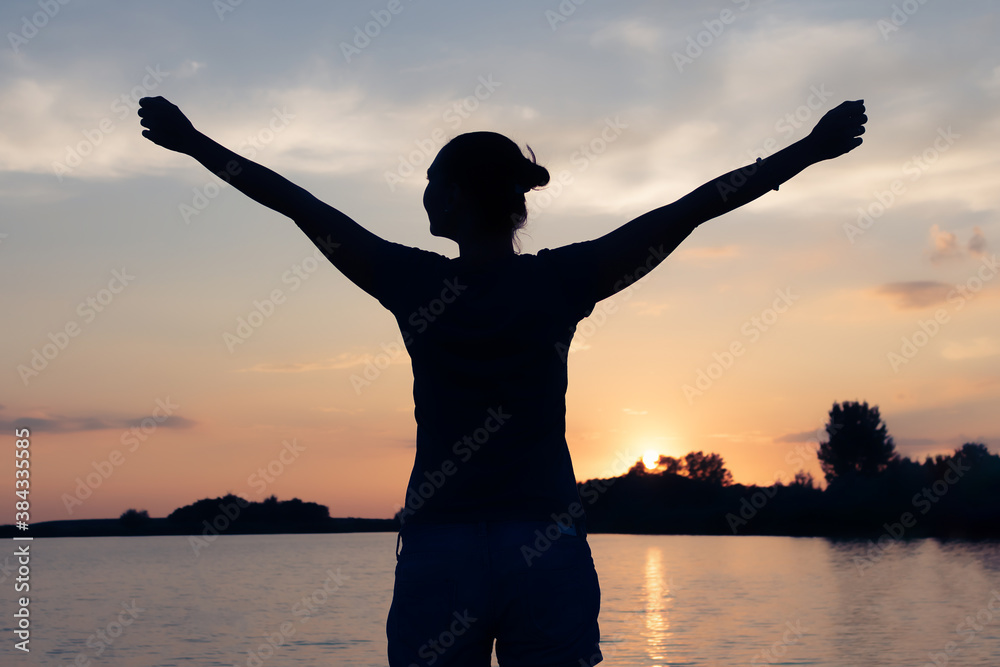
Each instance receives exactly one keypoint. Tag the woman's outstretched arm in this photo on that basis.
(627, 253)
(349, 246)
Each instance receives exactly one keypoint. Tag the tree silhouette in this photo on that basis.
(670, 465)
(973, 453)
(698, 466)
(639, 468)
(132, 518)
(858, 444)
(707, 468)
(804, 479)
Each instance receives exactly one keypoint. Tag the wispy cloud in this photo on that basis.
(632, 34)
(977, 244)
(709, 252)
(977, 348)
(649, 307)
(801, 436)
(345, 360)
(944, 245)
(64, 424)
(915, 294)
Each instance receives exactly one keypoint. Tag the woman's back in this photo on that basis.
(489, 347)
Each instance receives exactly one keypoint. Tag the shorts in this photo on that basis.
(529, 585)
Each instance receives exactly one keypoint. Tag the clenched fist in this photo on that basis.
(166, 125)
(838, 131)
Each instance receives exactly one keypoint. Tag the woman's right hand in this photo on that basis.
(838, 131)
(166, 125)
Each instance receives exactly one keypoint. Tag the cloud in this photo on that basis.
(978, 348)
(945, 245)
(170, 421)
(63, 424)
(916, 294)
(188, 68)
(977, 244)
(633, 34)
(802, 436)
(345, 411)
(648, 307)
(709, 252)
(345, 360)
(916, 449)
(630, 411)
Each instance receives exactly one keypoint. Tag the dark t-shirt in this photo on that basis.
(489, 348)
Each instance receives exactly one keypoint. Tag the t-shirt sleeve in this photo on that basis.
(573, 268)
(399, 284)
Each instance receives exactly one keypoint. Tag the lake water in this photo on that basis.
(666, 600)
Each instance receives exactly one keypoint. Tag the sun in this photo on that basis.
(650, 459)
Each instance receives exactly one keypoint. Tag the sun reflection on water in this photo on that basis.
(659, 598)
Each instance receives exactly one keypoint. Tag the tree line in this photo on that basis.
(870, 490)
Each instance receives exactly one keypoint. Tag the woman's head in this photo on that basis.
(486, 174)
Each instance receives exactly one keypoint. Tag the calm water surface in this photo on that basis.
(666, 600)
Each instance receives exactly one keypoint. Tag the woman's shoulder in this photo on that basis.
(404, 270)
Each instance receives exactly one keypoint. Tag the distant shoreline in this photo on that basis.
(162, 526)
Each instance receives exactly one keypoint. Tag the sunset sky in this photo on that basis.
(127, 270)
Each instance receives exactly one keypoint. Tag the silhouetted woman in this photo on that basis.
(493, 529)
